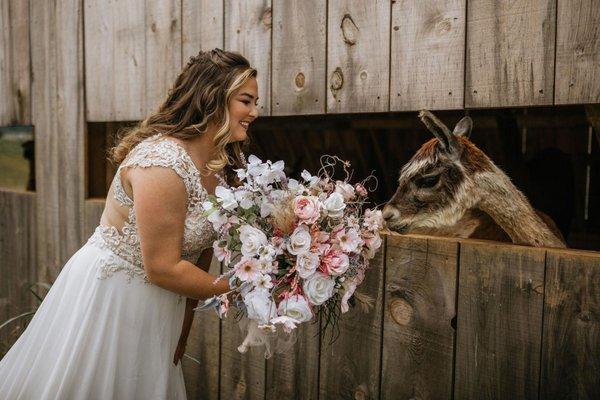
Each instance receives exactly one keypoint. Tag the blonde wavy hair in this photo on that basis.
(199, 97)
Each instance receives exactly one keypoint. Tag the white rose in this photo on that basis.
(259, 306)
(252, 240)
(318, 288)
(295, 307)
(244, 197)
(306, 264)
(345, 189)
(299, 241)
(334, 205)
(226, 198)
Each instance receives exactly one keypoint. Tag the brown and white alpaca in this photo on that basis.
(451, 188)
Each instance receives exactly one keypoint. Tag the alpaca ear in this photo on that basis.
(439, 130)
(464, 127)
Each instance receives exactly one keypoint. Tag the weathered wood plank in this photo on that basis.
(248, 31)
(510, 53)
(163, 49)
(202, 27)
(299, 50)
(115, 60)
(577, 52)
(571, 340)
(202, 380)
(427, 60)
(15, 77)
(500, 306)
(358, 56)
(58, 116)
(351, 366)
(93, 212)
(418, 337)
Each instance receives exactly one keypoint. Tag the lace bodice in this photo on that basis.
(124, 245)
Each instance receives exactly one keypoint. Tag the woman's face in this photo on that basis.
(243, 110)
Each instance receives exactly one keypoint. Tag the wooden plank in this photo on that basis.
(202, 380)
(17, 260)
(358, 56)
(427, 60)
(15, 77)
(571, 344)
(351, 366)
(248, 31)
(93, 212)
(58, 116)
(577, 52)
(500, 306)
(510, 53)
(163, 50)
(202, 27)
(115, 60)
(294, 374)
(418, 337)
(299, 75)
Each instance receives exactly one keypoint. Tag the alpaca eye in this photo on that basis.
(427, 181)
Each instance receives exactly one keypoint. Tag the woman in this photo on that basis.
(113, 325)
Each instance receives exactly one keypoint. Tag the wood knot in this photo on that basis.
(337, 79)
(173, 24)
(300, 80)
(363, 75)
(361, 392)
(153, 27)
(349, 30)
(267, 18)
(401, 311)
(443, 26)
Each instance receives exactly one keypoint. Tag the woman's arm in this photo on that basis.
(160, 203)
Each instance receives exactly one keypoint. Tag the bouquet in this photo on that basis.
(292, 248)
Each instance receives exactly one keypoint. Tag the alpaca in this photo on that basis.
(451, 188)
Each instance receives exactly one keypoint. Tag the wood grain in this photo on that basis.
(510, 53)
(299, 50)
(202, 27)
(577, 52)
(571, 345)
(358, 56)
(500, 306)
(427, 55)
(418, 337)
(248, 31)
(93, 210)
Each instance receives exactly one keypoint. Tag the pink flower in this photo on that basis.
(334, 262)
(307, 208)
(348, 240)
(361, 190)
(247, 270)
(221, 251)
(345, 189)
(372, 243)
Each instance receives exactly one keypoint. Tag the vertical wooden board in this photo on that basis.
(15, 77)
(571, 341)
(500, 306)
(299, 69)
(93, 212)
(202, 379)
(248, 31)
(577, 52)
(358, 56)
(427, 59)
(115, 60)
(350, 368)
(418, 337)
(163, 49)
(510, 53)
(294, 374)
(201, 27)
(58, 116)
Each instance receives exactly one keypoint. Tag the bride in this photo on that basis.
(115, 323)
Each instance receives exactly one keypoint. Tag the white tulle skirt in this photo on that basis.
(97, 339)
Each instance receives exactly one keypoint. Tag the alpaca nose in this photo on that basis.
(390, 213)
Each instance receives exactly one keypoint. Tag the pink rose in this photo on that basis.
(361, 190)
(307, 208)
(335, 262)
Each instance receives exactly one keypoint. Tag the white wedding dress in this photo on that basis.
(103, 331)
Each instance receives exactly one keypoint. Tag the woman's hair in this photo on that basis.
(200, 96)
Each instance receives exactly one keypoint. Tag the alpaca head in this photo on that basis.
(439, 184)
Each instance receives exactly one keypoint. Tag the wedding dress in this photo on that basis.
(104, 331)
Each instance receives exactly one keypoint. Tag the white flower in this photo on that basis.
(221, 252)
(244, 198)
(266, 207)
(299, 241)
(318, 288)
(263, 282)
(208, 206)
(259, 306)
(289, 324)
(349, 288)
(256, 167)
(226, 198)
(345, 189)
(216, 219)
(295, 307)
(306, 264)
(349, 240)
(373, 220)
(310, 179)
(247, 270)
(334, 205)
(295, 187)
(267, 252)
(273, 173)
(252, 239)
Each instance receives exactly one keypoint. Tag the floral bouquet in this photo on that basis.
(292, 249)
